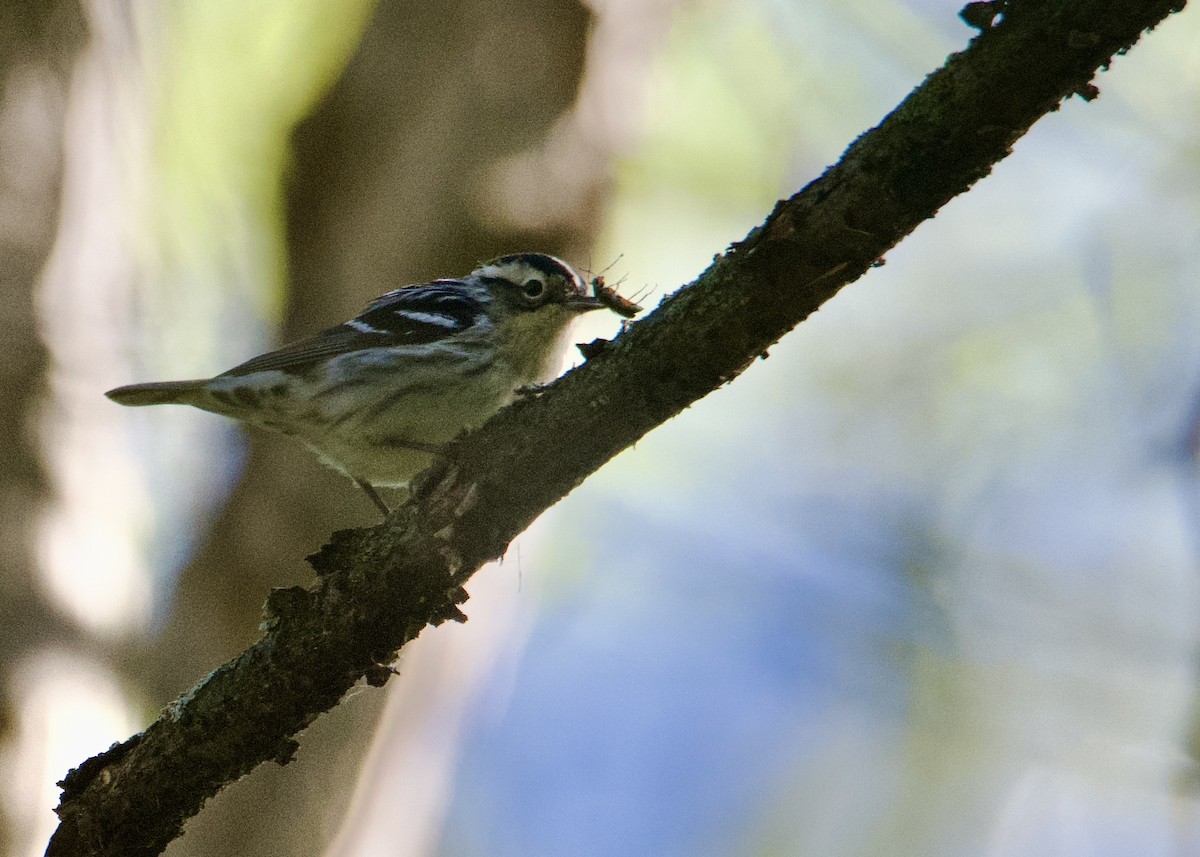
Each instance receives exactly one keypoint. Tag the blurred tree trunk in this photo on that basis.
(38, 41)
(393, 182)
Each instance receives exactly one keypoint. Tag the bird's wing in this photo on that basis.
(413, 315)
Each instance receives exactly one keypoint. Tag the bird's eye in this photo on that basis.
(533, 289)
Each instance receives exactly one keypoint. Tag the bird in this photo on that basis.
(378, 396)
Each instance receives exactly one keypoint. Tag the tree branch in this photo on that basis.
(378, 588)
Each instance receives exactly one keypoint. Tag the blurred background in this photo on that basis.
(922, 583)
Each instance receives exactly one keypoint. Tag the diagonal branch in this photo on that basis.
(378, 588)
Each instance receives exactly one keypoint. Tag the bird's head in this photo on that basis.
(533, 300)
(524, 282)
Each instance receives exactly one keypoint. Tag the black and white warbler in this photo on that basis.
(377, 396)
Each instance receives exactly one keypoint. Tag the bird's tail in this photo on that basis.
(160, 393)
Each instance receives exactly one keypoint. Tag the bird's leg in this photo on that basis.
(370, 491)
(434, 449)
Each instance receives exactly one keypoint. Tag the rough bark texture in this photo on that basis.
(378, 588)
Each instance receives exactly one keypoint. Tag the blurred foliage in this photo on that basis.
(923, 581)
(229, 82)
(224, 83)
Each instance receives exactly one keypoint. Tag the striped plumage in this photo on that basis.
(373, 397)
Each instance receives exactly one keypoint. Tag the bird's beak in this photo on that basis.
(583, 303)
